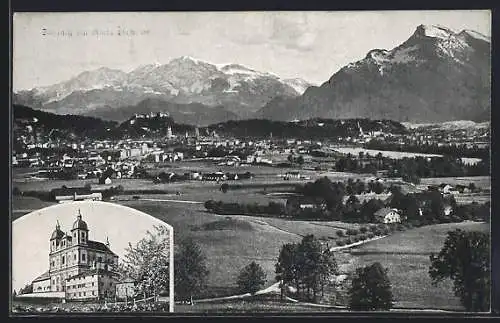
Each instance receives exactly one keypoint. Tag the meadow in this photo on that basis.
(406, 255)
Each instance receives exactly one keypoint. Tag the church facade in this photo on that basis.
(81, 268)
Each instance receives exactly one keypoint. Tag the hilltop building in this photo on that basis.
(80, 268)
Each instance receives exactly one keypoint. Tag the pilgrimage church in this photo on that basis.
(79, 268)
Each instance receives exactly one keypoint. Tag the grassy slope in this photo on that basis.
(408, 271)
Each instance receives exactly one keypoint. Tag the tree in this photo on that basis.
(370, 289)
(306, 266)
(465, 258)
(224, 187)
(286, 270)
(147, 263)
(27, 289)
(251, 278)
(300, 160)
(190, 270)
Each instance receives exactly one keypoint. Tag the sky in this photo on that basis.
(52, 47)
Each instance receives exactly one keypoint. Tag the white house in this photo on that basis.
(448, 210)
(387, 215)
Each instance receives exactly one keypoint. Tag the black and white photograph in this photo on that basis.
(250, 162)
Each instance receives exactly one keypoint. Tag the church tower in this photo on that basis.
(80, 231)
(57, 235)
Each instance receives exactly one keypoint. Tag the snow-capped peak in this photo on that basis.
(435, 31)
(476, 35)
(189, 58)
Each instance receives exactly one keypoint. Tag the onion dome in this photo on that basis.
(79, 223)
(58, 233)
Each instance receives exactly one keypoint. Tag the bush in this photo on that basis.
(340, 243)
(373, 228)
(371, 235)
(386, 232)
(401, 227)
(356, 238)
(347, 241)
(362, 237)
(352, 232)
(340, 233)
(408, 225)
(363, 229)
(456, 218)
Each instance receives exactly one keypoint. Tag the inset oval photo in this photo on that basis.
(100, 254)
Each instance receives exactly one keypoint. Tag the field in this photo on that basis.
(406, 255)
(232, 242)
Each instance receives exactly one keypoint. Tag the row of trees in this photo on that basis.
(412, 169)
(455, 150)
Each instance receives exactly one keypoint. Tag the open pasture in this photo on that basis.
(406, 255)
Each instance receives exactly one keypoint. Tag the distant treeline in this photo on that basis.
(61, 126)
(454, 150)
(412, 169)
(316, 128)
(271, 209)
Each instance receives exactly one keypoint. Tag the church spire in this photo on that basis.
(107, 242)
(79, 217)
(57, 225)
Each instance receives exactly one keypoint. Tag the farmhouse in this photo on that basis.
(387, 215)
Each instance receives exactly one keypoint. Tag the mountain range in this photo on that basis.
(184, 81)
(436, 75)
